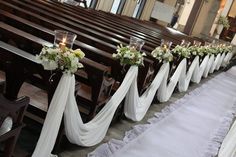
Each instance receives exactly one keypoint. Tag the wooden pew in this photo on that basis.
(167, 33)
(113, 21)
(76, 22)
(96, 73)
(94, 18)
(93, 53)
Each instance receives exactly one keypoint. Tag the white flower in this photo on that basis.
(54, 58)
(128, 55)
(114, 55)
(49, 65)
(162, 54)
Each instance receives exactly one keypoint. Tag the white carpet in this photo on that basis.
(194, 126)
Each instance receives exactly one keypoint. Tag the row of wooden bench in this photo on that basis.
(98, 34)
(26, 25)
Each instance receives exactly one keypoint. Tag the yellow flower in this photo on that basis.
(165, 48)
(78, 53)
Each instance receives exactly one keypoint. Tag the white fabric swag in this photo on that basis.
(91, 133)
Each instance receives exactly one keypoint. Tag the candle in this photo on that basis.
(62, 45)
(133, 48)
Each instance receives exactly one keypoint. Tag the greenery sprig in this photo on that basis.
(223, 21)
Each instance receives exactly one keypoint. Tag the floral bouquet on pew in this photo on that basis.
(64, 59)
(163, 54)
(196, 51)
(181, 51)
(222, 48)
(129, 55)
(206, 50)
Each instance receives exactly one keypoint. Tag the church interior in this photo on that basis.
(112, 78)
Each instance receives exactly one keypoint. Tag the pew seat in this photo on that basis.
(13, 110)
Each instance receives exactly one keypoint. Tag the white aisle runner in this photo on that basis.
(194, 126)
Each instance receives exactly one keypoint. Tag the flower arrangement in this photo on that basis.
(196, 51)
(207, 50)
(162, 53)
(66, 60)
(182, 51)
(129, 55)
(222, 48)
(228, 48)
(224, 22)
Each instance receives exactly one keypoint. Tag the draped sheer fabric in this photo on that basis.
(91, 133)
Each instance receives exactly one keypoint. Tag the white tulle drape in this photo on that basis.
(91, 133)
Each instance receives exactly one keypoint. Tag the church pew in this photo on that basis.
(165, 31)
(77, 23)
(86, 19)
(54, 17)
(91, 52)
(96, 73)
(168, 32)
(86, 31)
(94, 16)
(112, 22)
(131, 22)
(24, 61)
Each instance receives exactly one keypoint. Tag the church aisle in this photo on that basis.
(195, 125)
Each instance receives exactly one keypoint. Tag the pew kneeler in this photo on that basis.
(11, 116)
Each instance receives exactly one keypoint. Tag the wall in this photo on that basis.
(202, 17)
(232, 12)
(104, 5)
(147, 10)
(185, 12)
(170, 2)
(129, 8)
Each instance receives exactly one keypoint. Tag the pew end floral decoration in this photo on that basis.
(129, 55)
(196, 51)
(163, 54)
(65, 60)
(181, 51)
(222, 48)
